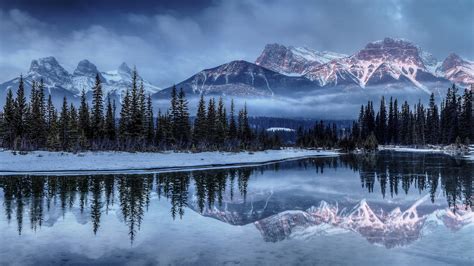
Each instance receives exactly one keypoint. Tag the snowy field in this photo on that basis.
(42, 161)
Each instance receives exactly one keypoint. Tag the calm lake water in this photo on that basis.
(384, 209)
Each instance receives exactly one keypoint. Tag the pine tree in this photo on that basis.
(20, 115)
(36, 121)
(73, 128)
(141, 121)
(9, 120)
(110, 131)
(452, 115)
(97, 119)
(420, 124)
(200, 123)
(150, 125)
(174, 114)
(182, 125)
(232, 125)
(211, 122)
(159, 133)
(405, 128)
(53, 142)
(84, 122)
(125, 117)
(64, 126)
(466, 122)
(381, 125)
(246, 131)
(396, 122)
(221, 123)
(432, 122)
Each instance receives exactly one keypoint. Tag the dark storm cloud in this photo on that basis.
(171, 40)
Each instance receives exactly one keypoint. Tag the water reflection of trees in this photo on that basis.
(424, 172)
(95, 195)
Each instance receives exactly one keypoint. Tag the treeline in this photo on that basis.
(37, 125)
(449, 123)
(320, 135)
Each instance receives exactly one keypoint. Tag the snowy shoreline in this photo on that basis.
(433, 149)
(43, 162)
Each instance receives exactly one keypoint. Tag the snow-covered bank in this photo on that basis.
(42, 161)
(448, 150)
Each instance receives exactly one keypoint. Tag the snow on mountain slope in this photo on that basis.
(385, 62)
(457, 69)
(293, 60)
(381, 62)
(240, 78)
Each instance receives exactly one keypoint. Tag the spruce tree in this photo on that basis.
(466, 122)
(20, 115)
(110, 131)
(97, 119)
(405, 128)
(150, 125)
(182, 124)
(84, 122)
(452, 115)
(159, 134)
(211, 122)
(232, 124)
(9, 120)
(221, 123)
(125, 117)
(200, 123)
(432, 122)
(36, 121)
(381, 126)
(64, 126)
(53, 142)
(396, 122)
(73, 128)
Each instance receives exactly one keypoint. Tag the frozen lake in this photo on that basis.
(392, 208)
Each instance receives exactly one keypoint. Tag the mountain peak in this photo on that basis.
(85, 68)
(45, 63)
(451, 61)
(124, 68)
(291, 60)
(49, 69)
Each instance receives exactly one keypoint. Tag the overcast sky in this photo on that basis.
(170, 41)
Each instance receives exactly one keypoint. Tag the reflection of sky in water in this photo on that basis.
(199, 239)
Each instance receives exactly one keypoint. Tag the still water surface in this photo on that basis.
(390, 208)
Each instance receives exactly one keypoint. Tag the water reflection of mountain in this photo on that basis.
(391, 229)
(228, 194)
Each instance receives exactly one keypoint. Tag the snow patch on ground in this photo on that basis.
(275, 129)
(43, 161)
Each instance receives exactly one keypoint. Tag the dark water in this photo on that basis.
(390, 208)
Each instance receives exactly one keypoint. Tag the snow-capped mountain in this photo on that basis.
(385, 62)
(59, 82)
(391, 229)
(293, 60)
(288, 71)
(457, 70)
(240, 78)
(382, 62)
